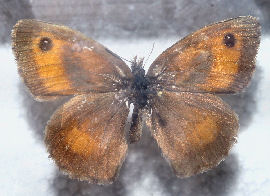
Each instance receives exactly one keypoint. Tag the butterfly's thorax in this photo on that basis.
(140, 86)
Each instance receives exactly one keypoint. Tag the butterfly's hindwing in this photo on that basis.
(86, 137)
(194, 131)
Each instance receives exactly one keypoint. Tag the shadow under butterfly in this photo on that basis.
(86, 136)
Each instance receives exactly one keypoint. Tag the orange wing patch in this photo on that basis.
(49, 66)
(81, 142)
(225, 61)
(204, 132)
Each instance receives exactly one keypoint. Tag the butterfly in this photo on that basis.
(176, 98)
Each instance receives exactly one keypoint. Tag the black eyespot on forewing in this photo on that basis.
(45, 44)
(229, 40)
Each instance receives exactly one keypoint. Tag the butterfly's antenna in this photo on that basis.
(124, 59)
(117, 56)
(149, 54)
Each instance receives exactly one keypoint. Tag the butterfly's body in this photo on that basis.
(176, 98)
(138, 90)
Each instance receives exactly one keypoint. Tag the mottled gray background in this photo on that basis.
(130, 27)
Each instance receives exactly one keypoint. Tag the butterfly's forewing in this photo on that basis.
(194, 131)
(54, 60)
(86, 137)
(217, 58)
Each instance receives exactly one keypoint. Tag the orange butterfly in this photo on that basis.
(86, 136)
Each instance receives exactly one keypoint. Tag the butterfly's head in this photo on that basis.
(137, 67)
